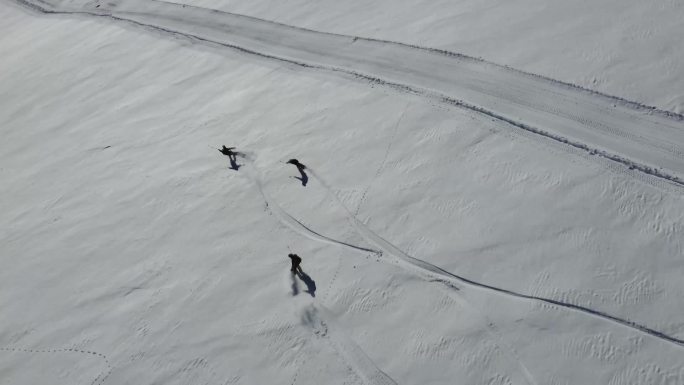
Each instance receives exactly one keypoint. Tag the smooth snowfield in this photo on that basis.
(441, 246)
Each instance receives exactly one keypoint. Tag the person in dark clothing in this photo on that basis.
(297, 164)
(232, 156)
(296, 260)
(228, 151)
(300, 167)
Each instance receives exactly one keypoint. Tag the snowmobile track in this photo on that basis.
(633, 136)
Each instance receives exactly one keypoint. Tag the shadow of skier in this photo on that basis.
(300, 167)
(232, 157)
(310, 283)
(233, 162)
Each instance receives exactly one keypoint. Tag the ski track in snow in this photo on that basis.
(633, 136)
(349, 348)
(99, 380)
(601, 125)
(441, 274)
(383, 163)
(434, 273)
(292, 222)
(317, 316)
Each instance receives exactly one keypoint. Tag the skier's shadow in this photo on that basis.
(233, 162)
(303, 177)
(310, 283)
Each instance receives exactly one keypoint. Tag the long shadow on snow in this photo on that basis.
(310, 283)
(233, 161)
(303, 177)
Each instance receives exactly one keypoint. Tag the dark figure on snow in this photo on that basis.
(297, 164)
(228, 151)
(296, 260)
(232, 156)
(300, 167)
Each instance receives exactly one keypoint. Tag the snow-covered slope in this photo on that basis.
(441, 246)
(604, 126)
(628, 48)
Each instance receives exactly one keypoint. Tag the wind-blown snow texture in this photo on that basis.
(463, 223)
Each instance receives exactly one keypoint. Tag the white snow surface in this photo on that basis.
(628, 48)
(452, 231)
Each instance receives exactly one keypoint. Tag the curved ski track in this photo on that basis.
(317, 316)
(390, 249)
(630, 134)
(376, 375)
(292, 222)
(429, 271)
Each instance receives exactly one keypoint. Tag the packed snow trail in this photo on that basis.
(634, 136)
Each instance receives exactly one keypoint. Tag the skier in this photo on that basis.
(232, 156)
(300, 167)
(228, 151)
(297, 164)
(296, 260)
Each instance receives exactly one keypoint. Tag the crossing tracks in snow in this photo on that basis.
(455, 285)
(433, 273)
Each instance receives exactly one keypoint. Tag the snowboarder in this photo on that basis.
(300, 167)
(296, 260)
